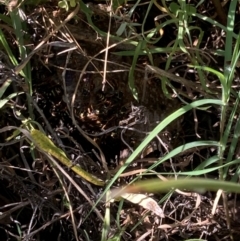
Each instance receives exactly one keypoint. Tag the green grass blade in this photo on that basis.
(5, 100)
(229, 34)
(213, 22)
(183, 148)
(131, 83)
(8, 49)
(194, 184)
(19, 27)
(158, 129)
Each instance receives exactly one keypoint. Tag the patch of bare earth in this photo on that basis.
(70, 87)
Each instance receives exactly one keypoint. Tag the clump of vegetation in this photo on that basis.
(120, 120)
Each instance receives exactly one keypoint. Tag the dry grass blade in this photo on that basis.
(88, 63)
(18, 68)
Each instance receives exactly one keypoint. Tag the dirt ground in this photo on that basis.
(73, 87)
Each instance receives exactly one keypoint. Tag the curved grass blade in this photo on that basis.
(195, 184)
(229, 35)
(159, 128)
(182, 148)
(5, 100)
(131, 72)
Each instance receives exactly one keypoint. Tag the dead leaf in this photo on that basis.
(144, 201)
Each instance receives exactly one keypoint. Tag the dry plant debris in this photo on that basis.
(77, 86)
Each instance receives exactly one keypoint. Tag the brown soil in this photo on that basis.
(69, 89)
